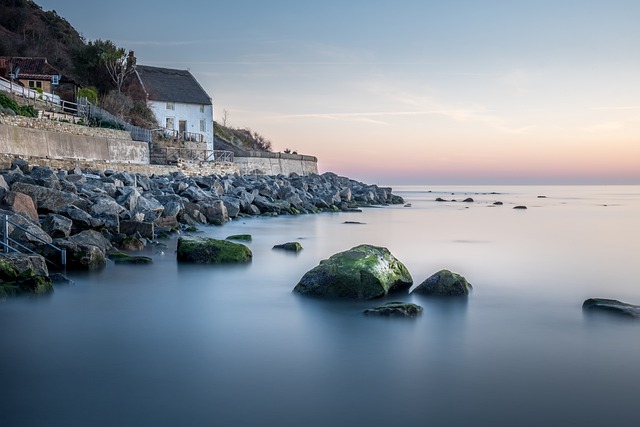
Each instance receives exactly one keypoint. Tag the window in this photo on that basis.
(171, 106)
(202, 108)
(170, 123)
(55, 79)
(203, 126)
(32, 83)
(39, 85)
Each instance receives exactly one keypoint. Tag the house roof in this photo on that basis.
(30, 68)
(169, 85)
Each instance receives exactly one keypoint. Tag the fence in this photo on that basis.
(185, 136)
(173, 155)
(28, 94)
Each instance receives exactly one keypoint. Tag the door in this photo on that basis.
(182, 128)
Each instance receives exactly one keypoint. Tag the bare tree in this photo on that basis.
(119, 65)
(225, 117)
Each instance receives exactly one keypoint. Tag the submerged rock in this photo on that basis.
(612, 306)
(520, 207)
(362, 272)
(123, 258)
(395, 309)
(22, 274)
(205, 250)
(243, 237)
(444, 283)
(289, 246)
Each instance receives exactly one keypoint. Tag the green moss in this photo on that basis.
(289, 246)
(243, 237)
(123, 258)
(191, 229)
(8, 271)
(205, 250)
(362, 272)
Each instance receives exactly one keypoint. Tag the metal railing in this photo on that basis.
(9, 244)
(171, 155)
(176, 134)
(29, 94)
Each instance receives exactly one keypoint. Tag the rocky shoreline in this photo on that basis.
(92, 212)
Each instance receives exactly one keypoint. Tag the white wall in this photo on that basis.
(189, 112)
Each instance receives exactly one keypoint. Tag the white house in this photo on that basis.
(179, 103)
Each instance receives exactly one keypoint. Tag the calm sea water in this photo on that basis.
(179, 345)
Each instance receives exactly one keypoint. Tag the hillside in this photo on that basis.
(27, 30)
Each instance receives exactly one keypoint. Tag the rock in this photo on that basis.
(91, 237)
(105, 206)
(468, 200)
(205, 250)
(123, 258)
(498, 203)
(354, 222)
(80, 256)
(131, 243)
(362, 272)
(57, 226)
(144, 229)
(519, 207)
(215, 212)
(81, 220)
(46, 199)
(27, 232)
(244, 237)
(612, 306)
(232, 204)
(289, 246)
(395, 309)
(22, 274)
(440, 199)
(20, 202)
(444, 283)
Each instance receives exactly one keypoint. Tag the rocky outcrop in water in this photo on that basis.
(395, 309)
(362, 272)
(444, 283)
(205, 250)
(120, 205)
(612, 306)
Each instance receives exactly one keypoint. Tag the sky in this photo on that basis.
(404, 91)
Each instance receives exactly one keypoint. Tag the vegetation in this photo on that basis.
(240, 139)
(21, 110)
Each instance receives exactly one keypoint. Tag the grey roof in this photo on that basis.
(169, 85)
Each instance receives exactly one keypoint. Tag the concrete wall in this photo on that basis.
(22, 141)
(276, 163)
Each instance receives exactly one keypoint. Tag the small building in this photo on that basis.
(181, 106)
(37, 74)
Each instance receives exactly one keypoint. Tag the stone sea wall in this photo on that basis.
(23, 141)
(264, 163)
(58, 126)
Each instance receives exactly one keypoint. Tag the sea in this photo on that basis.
(172, 344)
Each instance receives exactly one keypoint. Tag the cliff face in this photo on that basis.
(27, 30)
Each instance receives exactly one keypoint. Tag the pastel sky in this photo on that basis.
(404, 91)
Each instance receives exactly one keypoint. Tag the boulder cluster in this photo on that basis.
(90, 212)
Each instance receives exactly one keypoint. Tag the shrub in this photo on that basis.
(89, 93)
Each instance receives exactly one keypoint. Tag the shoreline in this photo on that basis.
(91, 212)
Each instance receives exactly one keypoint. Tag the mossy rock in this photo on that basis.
(395, 309)
(123, 258)
(191, 229)
(362, 272)
(444, 283)
(243, 237)
(289, 246)
(205, 250)
(8, 272)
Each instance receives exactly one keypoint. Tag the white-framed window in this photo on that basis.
(203, 125)
(55, 79)
(170, 123)
(202, 108)
(171, 106)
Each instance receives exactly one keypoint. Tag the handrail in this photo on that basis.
(6, 242)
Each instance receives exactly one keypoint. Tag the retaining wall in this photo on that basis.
(262, 163)
(22, 141)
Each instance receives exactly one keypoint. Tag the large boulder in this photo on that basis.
(612, 306)
(205, 250)
(22, 274)
(57, 226)
(46, 199)
(362, 272)
(444, 283)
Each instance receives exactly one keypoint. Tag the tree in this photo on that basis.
(225, 117)
(119, 65)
